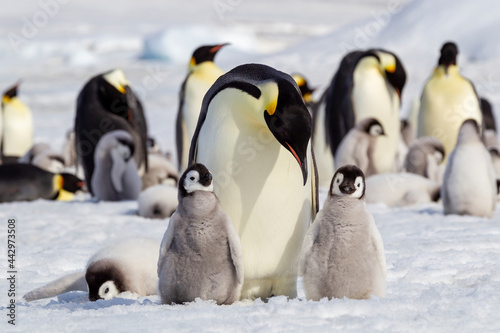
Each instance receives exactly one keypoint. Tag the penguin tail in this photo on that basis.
(70, 282)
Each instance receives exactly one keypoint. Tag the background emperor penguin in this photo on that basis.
(367, 85)
(343, 254)
(448, 99)
(253, 130)
(202, 74)
(17, 131)
(107, 103)
(469, 184)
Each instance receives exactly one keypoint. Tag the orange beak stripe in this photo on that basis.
(294, 154)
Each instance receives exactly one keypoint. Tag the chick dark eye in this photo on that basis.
(106, 291)
(358, 185)
(338, 181)
(192, 178)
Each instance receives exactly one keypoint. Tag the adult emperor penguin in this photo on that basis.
(358, 145)
(107, 103)
(320, 136)
(469, 184)
(126, 265)
(115, 175)
(202, 74)
(26, 182)
(343, 254)
(200, 254)
(17, 126)
(424, 158)
(253, 130)
(448, 99)
(367, 85)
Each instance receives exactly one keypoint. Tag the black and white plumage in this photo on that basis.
(26, 182)
(469, 183)
(200, 253)
(115, 175)
(126, 265)
(16, 133)
(343, 254)
(107, 103)
(448, 99)
(202, 74)
(254, 135)
(358, 146)
(367, 84)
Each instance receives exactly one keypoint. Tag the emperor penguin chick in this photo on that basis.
(115, 175)
(126, 265)
(469, 184)
(358, 145)
(343, 254)
(200, 254)
(425, 157)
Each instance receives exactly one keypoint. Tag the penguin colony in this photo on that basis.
(242, 137)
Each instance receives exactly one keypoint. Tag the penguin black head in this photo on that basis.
(371, 126)
(290, 122)
(449, 52)
(10, 93)
(205, 53)
(305, 90)
(348, 181)
(195, 178)
(274, 101)
(71, 183)
(393, 69)
(113, 91)
(104, 280)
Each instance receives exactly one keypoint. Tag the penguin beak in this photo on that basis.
(217, 47)
(347, 189)
(290, 122)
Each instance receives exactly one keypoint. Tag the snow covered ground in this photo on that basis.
(443, 272)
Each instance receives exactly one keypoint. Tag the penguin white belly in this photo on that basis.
(469, 183)
(260, 186)
(373, 97)
(18, 129)
(322, 153)
(447, 101)
(197, 86)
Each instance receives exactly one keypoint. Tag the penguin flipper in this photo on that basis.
(178, 125)
(118, 169)
(70, 282)
(378, 245)
(339, 110)
(235, 249)
(310, 237)
(166, 242)
(314, 186)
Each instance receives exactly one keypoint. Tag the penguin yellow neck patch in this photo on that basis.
(6, 99)
(271, 107)
(390, 68)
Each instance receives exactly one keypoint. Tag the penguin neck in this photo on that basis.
(197, 204)
(452, 71)
(468, 135)
(346, 206)
(206, 71)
